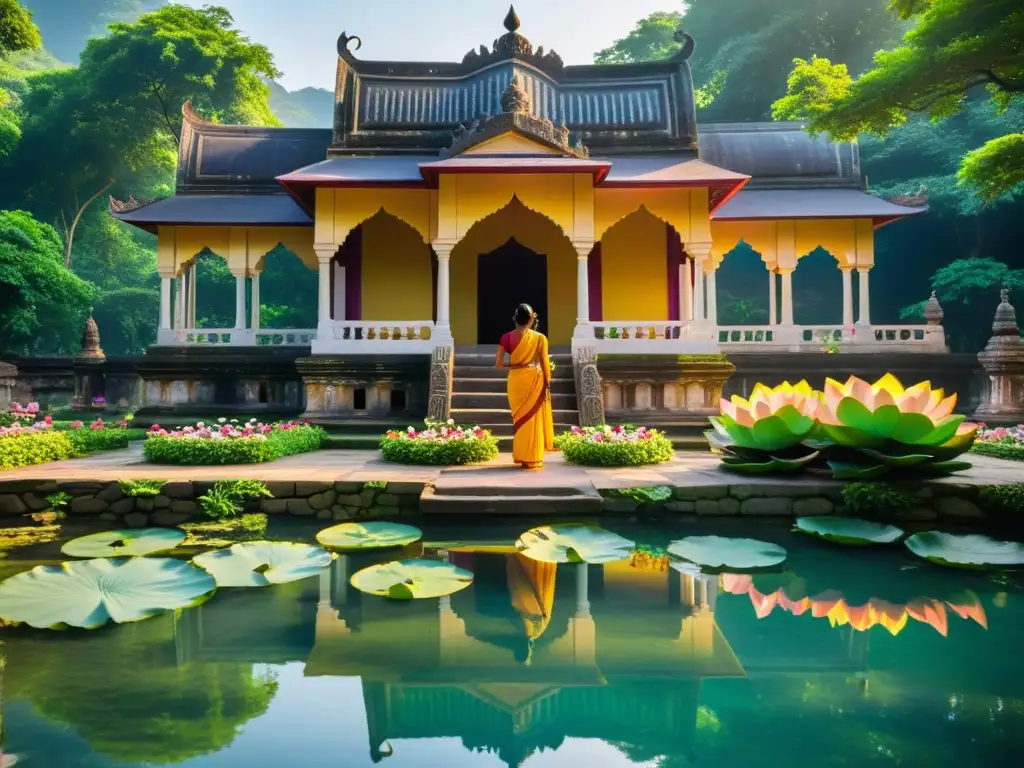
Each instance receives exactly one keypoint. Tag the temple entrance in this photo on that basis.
(506, 277)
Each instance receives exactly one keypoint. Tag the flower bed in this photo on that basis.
(21, 446)
(439, 444)
(1001, 442)
(618, 446)
(99, 436)
(227, 442)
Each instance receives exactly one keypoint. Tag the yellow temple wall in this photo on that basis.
(634, 275)
(397, 282)
(782, 243)
(243, 248)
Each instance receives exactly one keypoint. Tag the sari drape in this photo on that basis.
(532, 586)
(529, 398)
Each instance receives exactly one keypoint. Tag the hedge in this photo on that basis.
(30, 448)
(580, 447)
(1000, 450)
(167, 449)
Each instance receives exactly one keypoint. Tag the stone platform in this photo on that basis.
(346, 484)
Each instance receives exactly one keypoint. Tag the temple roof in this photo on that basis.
(254, 210)
(753, 204)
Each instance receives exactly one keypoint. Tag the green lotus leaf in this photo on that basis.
(371, 535)
(796, 422)
(848, 530)
(966, 551)
(90, 593)
(880, 423)
(913, 427)
(718, 441)
(411, 579)
(732, 554)
(261, 563)
(907, 460)
(130, 542)
(944, 431)
(773, 464)
(772, 434)
(850, 437)
(586, 542)
(845, 471)
(942, 468)
(739, 434)
(955, 446)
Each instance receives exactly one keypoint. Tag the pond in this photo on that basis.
(848, 657)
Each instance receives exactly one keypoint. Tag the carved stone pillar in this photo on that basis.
(1003, 361)
(440, 397)
(588, 387)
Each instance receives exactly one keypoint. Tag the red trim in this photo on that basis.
(599, 172)
(533, 410)
(728, 196)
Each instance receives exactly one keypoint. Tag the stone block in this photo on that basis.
(347, 486)
(776, 505)
(310, 488)
(79, 488)
(35, 502)
(619, 505)
(123, 506)
(167, 518)
(815, 505)
(11, 504)
(352, 500)
(136, 520)
(300, 507)
(706, 506)
(728, 506)
(406, 489)
(322, 500)
(680, 506)
(144, 504)
(698, 492)
(324, 514)
(178, 489)
(111, 493)
(955, 506)
(274, 506)
(108, 517)
(388, 500)
(281, 490)
(381, 512)
(916, 514)
(366, 497)
(161, 502)
(789, 490)
(88, 505)
(183, 507)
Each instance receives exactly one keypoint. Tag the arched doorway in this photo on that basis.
(507, 276)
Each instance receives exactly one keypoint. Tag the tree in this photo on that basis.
(955, 47)
(17, 31)
(652, 38)
(42, 305)
(125, 318)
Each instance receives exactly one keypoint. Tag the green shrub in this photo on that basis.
(87, 440)
(142, 489)
(58, 500)
(869, 498)
(225, 497)
(1004, 500)
(602, 446)
(436, 452)
(378, 485)
(652, 495)
(168, 449)
(1000, 450)
(28, 448)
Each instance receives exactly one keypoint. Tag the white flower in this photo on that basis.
(221, 420)
(451, 422)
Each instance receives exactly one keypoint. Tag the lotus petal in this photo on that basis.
(90, 593)
(848, 530)
(772, 434)
(859, 390)
(968, 606)
(930, 612)
(889, 384)
(906, 460)
(130, 542)
(966, 551)
(722, 552)
(944, 431)
(412, 579)
(573, 543)
(372, 535)
(261, 563)
(943, 408)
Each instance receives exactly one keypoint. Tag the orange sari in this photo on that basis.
(529, 381)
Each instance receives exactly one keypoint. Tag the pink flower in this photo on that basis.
(598, 437)
(123, 424)
(76, 425)
(48, 420)
(97, 425)
(32, 408)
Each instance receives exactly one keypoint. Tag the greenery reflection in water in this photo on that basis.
(842, 659)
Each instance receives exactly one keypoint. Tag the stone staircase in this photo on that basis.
(479, 395)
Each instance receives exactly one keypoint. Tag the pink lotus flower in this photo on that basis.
(97, 425)
(76, 425)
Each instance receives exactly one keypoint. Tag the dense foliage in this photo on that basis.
(28, 447)
(618, 446)
(440, 444)
(230, 443)
(1001, 442)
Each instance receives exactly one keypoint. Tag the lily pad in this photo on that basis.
(848, 530)
(260, 563)
(412, 579)
(573, 543)
(90, 593)
(733, 554)
(124, 543)
(373, 535)
(966, 551)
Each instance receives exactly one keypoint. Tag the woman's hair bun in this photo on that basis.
(523, 314)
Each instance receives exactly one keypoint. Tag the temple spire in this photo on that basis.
(512, 22)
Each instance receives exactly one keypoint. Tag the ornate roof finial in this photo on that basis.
(933, 312)
(687, 41)
(512, 23)
(515, 98)
(91, 349)
(1005, 323)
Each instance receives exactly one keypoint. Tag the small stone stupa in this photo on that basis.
(1003, 361)
(88, 365)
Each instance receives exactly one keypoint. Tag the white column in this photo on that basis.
(179, 305)
(864, 317)
(443, 326)
(712, 299)
(339, 291)
(773, 299)
(254, 310)
(165, 302)
(193, 273)
(583, 249)
(240, 302)
(324, 256)
(700, 253)
(787, 297)
(847, 297)
(685, 291)
(582, 591)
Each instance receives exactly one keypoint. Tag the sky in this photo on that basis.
(303, 34)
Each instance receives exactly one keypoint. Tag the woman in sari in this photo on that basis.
(529, 383)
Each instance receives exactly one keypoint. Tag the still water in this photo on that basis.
(847, 658)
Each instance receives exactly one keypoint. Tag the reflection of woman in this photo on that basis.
(529, 381)
(531, 584)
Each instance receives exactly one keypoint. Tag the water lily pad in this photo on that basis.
(412, 579)
(967, 551)
(573, 543)
(848, 530)
(89, 593)
(722, 552)
(260, 563)
(374, 535)
(124, 543)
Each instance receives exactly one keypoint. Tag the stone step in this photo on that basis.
(562, 373)
(470, 399)
(500, 502)
(498, 415)
(496, 384)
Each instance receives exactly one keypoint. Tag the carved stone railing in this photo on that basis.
(379, 337)
(831, 338)
(272, 337)
(233, 337)
(637, 386)
(650, 337)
